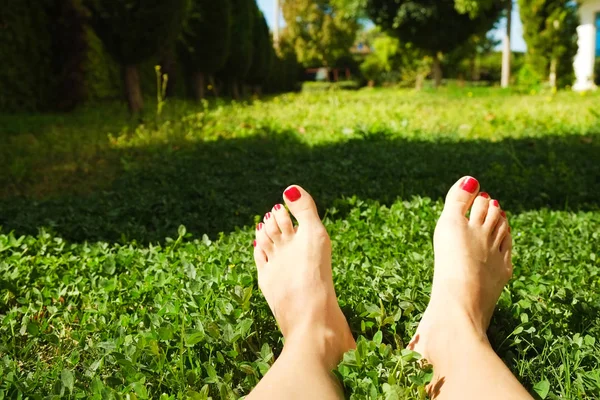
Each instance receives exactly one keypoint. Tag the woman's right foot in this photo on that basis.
(472, 265)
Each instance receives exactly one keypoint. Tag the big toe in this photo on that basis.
(301, 205)
(461, 195)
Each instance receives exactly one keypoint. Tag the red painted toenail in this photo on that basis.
(267, 216)
(484, 195)
(292, 194)
(495, 203)
(277, 207)
(254, 243)
(503, 214)
(469, 184)
(259, 226)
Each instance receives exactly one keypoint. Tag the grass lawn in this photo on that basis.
(104, 293)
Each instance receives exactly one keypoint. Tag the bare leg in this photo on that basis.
(472, 265)
(294, 274)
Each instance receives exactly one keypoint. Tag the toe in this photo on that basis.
(499, 233)
(493, 215)
(301, 205)
(283, 220)
(259, 256)
(263, 240)
(479, 209)
(461, 195)
(271, 228)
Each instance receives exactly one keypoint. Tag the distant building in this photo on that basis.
(588, 43)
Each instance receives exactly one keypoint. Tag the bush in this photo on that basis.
(328, 86)
(528, 78)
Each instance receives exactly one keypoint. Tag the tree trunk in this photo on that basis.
(235, 89)
(419, 81)
(506, 48)
(553, 64)
(132, 89)
(215, 88)
(437, 71)
(199, 85)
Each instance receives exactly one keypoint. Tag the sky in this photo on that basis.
(518, 44)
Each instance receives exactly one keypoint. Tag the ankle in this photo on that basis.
(325, 341)
(444, 329)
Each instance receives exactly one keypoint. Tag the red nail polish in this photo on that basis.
(254, 243)
(503, 214)
(495, 203)
(484, 195)
(469, 184)
(259, 226)
(277, 207)
(292, 194)
(267, 216)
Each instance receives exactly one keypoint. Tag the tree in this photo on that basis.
(433, 26)
(319, 31)
(550, 31)
(392, 61)
(263, 51)
(240, 57)
(205, 42)
(134, 31)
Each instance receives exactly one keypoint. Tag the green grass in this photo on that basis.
(96, 300)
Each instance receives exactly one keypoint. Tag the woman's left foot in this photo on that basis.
(294, 274)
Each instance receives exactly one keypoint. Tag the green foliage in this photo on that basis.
(410, 19)
(550, 31)
(263, 51)
(319, 32)
(95, 302)
(134, 31)
(329, 86)
(529, 78)
(394, 62)
(376, 371)
(242, 39)
(284, 70)
(26, 80)
(206, 37)
(103, 77)
(473, 7)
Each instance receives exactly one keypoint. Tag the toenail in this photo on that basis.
(503, 214)
(292, 194)
(469, 184)
(495, 203)
(267, 216)
(254, 243)
(259, 226)
(277, 207)
(484, 195)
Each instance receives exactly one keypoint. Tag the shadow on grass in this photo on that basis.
(217, 186)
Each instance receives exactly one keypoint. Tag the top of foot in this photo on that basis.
(294, 274)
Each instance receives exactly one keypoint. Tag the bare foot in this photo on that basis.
(472, 265)
(294, 274)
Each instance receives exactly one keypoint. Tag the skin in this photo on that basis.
(472, 265)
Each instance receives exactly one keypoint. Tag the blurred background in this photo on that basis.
(58, 55)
